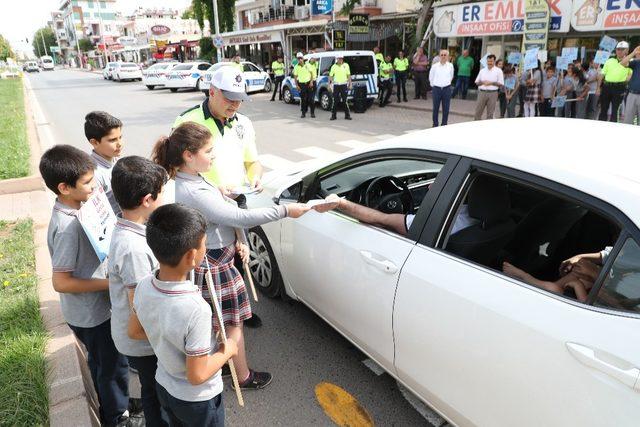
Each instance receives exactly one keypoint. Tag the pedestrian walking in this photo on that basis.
(340, 83)
(489, 80)
(419, 64)
(386, 87)
(534, 94)
(440, 78)
(277, 67)
(305, 77)
(401, 67)
(465, 66)
(612, 84)
(632, 110)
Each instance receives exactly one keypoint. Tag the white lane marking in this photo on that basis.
(427, 413)
(317, 152)
(352, 143)
(375, 368)
(275, 162)
(386, 136)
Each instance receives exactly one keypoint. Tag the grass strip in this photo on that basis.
(23, 337)
(14, 147)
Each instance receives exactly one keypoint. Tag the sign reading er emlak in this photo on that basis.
(598, 15)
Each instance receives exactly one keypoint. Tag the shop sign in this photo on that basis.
(358, 23)
(161, 44)
(600, 15)
(321, 7)
(253, 38)
(127, 40)
(339, 39)
(496, 17)
(536, 25)
(159, 30)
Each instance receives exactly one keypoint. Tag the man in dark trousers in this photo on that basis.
(340, 81)
(419, 65)
(305, 76)
(277, 68)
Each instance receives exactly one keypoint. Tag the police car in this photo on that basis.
(256, 79)
(364, 72)
(186, 76)
(156, 75)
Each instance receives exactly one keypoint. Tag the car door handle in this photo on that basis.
(587, 356)
(383, 264)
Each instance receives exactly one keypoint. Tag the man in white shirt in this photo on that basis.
(440, 77)
(489, 81)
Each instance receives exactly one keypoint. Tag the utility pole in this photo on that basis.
(44, 46)
(217, 27)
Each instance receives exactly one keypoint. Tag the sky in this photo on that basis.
(19, 19)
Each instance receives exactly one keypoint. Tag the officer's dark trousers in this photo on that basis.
(611, 95)
(401, 84)
(385, 91)
(277, 88)
(340, 97)
(109, 370)
(306, 98)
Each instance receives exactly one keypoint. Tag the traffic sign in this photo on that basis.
(218, 41)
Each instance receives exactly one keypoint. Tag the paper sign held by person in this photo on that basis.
(98, 220)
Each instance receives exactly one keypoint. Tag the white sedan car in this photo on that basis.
(126, 71)
(156, 75)
(107, 72)
(186, 76)
(466, 306)
(255, 78)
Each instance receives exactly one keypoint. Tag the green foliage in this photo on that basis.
(49, 40)
(348, 6)
(5, 49)
(85, 45)
(203, 9)
(207, 49)
(22, 334)
(188, 13)
(14, 148)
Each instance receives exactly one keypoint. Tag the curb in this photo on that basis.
(427, 109)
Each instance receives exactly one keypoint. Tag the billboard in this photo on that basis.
(321, 7)
(602, 15)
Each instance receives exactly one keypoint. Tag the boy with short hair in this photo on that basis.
(177, 320)
(80, 277)
(137, 185)
(104, 133)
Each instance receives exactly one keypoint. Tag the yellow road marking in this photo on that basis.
(341, 407)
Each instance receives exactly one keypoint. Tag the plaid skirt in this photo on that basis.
(534, 94)
(229, 285)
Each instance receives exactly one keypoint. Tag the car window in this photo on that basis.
(325, 65)
(529, 233)
(183, 67)
(360, 64)
(247, 68)
(203, 66)
(621, 286)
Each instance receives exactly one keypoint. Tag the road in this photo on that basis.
(294, 344)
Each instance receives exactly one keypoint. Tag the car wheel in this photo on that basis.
(151, 87)
(173, 89)
(198, 85)
(262, 264)
(287, 95)
(267, 86)
(325, 100)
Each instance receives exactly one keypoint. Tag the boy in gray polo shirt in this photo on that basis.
(80, 277)
(177, 320)
(104, 133)
(137, 186)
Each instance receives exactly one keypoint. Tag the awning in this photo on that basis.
(379, 30)
(253, 38)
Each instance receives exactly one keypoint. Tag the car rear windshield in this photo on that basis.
(47, 60)
(360, 64)
(129, 66)
(182, 67)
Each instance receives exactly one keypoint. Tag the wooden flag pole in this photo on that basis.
(217, 309)
(243, 237)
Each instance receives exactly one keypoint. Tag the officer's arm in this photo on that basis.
(627, 59)
(254, 170)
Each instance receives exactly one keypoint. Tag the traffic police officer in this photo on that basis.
(385, 81)
(305, 76)
(236, 62)
(277, 67)
(612, 89)
(340, 81)
(401, 65)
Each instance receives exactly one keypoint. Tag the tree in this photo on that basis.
(5, 49)
(207, 49)
(85, 45)
(203, 9)
(49, 40)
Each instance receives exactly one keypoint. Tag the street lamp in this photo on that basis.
(217, 28)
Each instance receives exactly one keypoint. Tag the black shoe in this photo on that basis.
(381, 105)
(417, 97)
(332, 118)
(303, 115)
(313, 116)
(398, 100)
(405, 100)
(272, 100)
(256, 381)
(254, 321)
(135, 406)
(347, 118)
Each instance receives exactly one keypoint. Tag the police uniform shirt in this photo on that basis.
(304, 73)
(385, 70)
(340, 73)
(277, 68)
(234, 144)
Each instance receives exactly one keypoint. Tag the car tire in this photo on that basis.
(198, 85)
(267, 86)
(325, 100)
(263, 266)
(287, 96)
(173, 89)
(151, 87)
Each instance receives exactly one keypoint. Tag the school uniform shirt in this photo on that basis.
(177, 321)
(490, 75)
(72, 252)
(102, 176)
(547, 86)
(130, 261)
(221, 213)
(441, 74)
(593, 86)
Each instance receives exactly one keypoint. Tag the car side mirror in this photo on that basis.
(289, 194)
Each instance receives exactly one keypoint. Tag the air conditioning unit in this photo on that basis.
(301, 12)
(369, 3)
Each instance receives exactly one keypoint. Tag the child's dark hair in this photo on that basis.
(173, 230)
(64, 164)
(134, 177)
(189, 136)
(98, 124)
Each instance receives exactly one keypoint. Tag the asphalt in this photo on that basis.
(294, 344)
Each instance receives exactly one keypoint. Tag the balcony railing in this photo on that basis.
(268, 14)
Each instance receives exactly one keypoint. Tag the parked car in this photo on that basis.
(47, 63)
(31, 67)
(434, 308)
(107, 71)
(364, 72)
(256, 79)
(186, 76)
(156, 75)
(126, 71)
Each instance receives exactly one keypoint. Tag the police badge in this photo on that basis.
(240, 131)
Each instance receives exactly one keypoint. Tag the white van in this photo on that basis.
(46, 62)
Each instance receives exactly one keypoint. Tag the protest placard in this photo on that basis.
(98, 220)
(543, 56)
(601, 57)
(608, 43)
(562, 63)
(531, 59)
(558, 101)
(483, 60)
(514, 58)
(570, 52)
(510, 82)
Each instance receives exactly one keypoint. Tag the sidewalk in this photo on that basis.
(459, 107)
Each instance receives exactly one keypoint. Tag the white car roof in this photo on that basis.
(335, 53)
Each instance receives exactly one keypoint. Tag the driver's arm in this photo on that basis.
(393, 222)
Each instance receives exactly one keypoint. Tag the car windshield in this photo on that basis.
(183, 67)
(360, 64)
(47, 60)
(129, 66)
